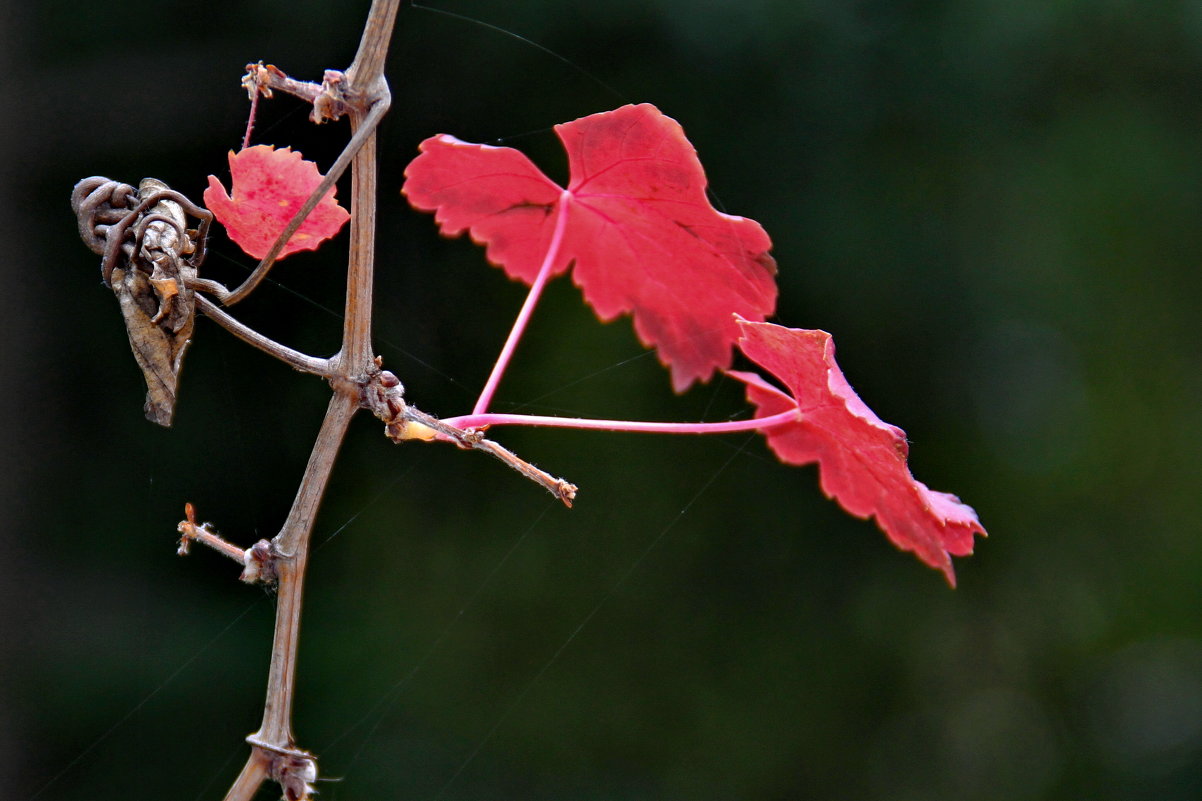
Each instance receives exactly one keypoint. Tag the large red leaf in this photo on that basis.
(861, 459)
(643, 236)
(268, 187)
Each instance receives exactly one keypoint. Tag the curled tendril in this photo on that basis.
(106, 210)
(149, 258)
(99, 203)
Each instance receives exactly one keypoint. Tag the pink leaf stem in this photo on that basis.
(477, 420)
(519, 325)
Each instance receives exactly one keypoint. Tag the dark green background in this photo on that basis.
(992, 204)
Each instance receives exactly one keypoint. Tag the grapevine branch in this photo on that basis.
(298, 360)
(150, 260)
(273, 750)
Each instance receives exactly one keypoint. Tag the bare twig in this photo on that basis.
(328, 97)
(191, 531)
(383, 395)
(263, 79)
(298, 360)
(258, 560)
(473, 438)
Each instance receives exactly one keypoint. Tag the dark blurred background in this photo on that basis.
(992, 204)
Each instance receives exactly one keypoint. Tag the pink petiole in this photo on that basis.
(484, 419)
(536, 289)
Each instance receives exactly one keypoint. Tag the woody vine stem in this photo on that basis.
(362, 94)
(150, 260)
(365, 94)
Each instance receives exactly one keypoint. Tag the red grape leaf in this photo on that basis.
(644, 239)
(269, 187)
(861, 459)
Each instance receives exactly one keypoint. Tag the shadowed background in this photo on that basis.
(992, 205)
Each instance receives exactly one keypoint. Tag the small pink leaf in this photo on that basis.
(644, 239)
(861, 459)
(269, 187)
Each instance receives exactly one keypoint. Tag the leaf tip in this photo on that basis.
(862, 460)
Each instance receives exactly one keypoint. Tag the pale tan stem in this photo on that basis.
(253, 774)
(292, 549)
(298, 360)
(350, 366)
(356, 357)
(473, 439)
(368, 67)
